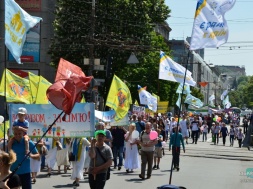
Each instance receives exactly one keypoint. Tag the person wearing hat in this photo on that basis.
(108, 138)
(101, 160)
(21, 124)
(18, 146)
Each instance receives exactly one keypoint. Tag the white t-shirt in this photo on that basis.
(195, 126)
(172, 125)
(205, 128)
(167, 124)
(183, 124)
(232, 131)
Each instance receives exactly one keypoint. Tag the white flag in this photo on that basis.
(147, 99)
(228, 105)
(223, 94)
(211, 98)
(178, 101)
(17, 24)
(172, 71)
(210, 27)
(225, 101)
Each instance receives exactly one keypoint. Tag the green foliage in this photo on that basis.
(242, 95)
(197, 93)
(119, 28)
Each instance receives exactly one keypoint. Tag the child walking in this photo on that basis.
(158, 150)
(240, 136)
(205, 130)
(231, 135)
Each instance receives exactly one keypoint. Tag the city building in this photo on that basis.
(36, 58)
(201, 71)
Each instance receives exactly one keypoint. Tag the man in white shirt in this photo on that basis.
(184, 129)
(195, 130)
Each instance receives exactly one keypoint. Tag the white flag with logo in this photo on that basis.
(172, 71)
(17, 24)
(210, 26)
(147, 99)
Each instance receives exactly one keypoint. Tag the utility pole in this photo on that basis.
(91, 49)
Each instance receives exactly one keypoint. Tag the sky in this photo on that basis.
(240, 40)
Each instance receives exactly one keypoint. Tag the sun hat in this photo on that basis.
(22, 111)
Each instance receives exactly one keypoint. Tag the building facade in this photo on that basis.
(36, 59)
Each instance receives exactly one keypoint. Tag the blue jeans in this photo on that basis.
(216, 138)
(117, 151)
(232, 137)
(43, 163)
(204, 136)
(25, 180)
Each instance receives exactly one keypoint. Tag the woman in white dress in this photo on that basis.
(35, 165)
(51, 158)
(131, 154)
(87, 160)
(78, 148)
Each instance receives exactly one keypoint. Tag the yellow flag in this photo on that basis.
(7, 125)
(136, 103)
(156, 96)
(119, 98)
(83, 100)
(17, 88)
(34, 84)
(42, 91)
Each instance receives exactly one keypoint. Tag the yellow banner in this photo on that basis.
(17, 88)
(7, 125)
(162, 106)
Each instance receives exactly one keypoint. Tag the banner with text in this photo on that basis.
(162, 106)
(80, 123)
(108, 116)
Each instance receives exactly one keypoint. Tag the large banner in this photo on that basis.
(162, 106)
(108, 116)
(80, 123)
(138, 110)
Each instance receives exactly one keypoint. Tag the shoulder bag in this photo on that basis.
(108, 169)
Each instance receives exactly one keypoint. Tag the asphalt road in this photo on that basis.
(203, 166)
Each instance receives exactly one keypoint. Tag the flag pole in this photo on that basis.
(27, 155)
(6, 113)
(186, 66)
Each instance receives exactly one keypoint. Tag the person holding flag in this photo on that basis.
(101, 160)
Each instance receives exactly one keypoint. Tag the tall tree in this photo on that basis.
(118, 28)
